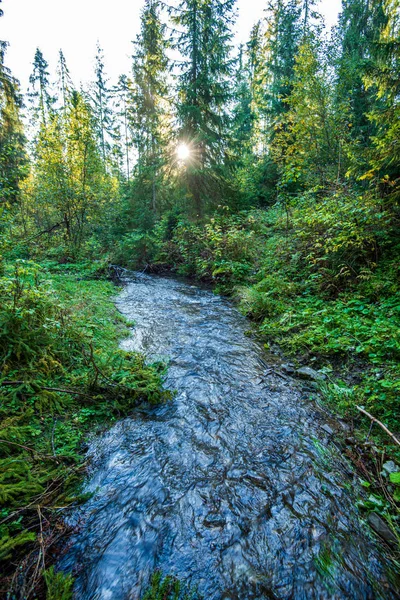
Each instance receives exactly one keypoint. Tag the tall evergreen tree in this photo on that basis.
(100, 100)
(13, 160)
(282, 41)
(204, 92)
(122, 93)
(149, 107)
(243, 109)
(40, 89)
(382, 78)
(64, 84)
(360, 26)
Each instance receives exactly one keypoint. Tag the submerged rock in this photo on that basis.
(214, 520)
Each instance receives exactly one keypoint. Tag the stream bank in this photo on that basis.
(234, 486)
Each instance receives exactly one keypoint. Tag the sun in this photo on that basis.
(183, 152)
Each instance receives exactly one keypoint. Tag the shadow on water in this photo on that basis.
(232, 486)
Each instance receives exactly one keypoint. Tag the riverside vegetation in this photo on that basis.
(284, 194)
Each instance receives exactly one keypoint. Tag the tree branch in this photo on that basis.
(375, 420)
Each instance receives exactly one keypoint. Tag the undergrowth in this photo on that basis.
(62, 376)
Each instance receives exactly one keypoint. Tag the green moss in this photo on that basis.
(62, 376)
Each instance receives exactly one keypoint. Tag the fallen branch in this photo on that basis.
(51, 489)
(47, 389)
(375, 420)
(49, 230)
(32, 450)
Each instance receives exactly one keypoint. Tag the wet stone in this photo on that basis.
(327, 429)
(381, 528)
(310, 374)
(390, 467)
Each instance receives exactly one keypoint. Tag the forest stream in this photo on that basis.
(233, 486)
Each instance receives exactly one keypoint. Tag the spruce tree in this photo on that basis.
(64, 83)
(282, 41)
(243, 109)
(121, 93)
(148, 104)
(382, 78)
(204, 93)
(40, 89)
(361, 23)
(100, 99)
(13, 160)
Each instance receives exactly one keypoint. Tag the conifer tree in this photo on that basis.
(360, 26)
(283, 38)
(149, 107)
(100, 98)
(382, 78)
(260, 81)
(243, 110)
(13, 160)
(204, 92)
(64, 84)
(122, 93)
(40, 89)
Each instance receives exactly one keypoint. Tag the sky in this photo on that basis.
(77, 25)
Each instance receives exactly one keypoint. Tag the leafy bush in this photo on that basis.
(135, 250)
(223, 251)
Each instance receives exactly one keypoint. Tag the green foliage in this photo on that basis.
(69, 191)
(62, 375)
(168, 588)
(13, 160)
(204, 92)
(303, 128)
(135, 250)
(59, 585)
(149, 111)
(224, 251)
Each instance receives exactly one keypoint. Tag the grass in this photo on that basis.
(62, 377)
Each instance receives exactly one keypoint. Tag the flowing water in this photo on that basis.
(232, 486)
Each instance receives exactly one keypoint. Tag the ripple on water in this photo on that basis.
(232, 486)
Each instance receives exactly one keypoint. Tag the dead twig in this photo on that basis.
(28, 449)
(52, 438)
(375, 420)
(48, 389)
